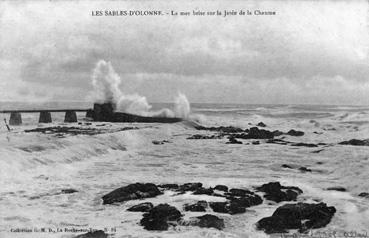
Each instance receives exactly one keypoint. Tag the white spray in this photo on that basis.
(106, 84)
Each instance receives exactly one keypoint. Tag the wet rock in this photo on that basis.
(247, 201)
(200, 206)
(61, 131)
(209, 221)
(256, 142)
(224, 129)
(232, 140)
(190, 187)
(160, 217)
(142, 207)
(130, 192)
(277, 133)
(93, 234)
(338, 188)
(274, 191)
(286, 166)
(171, 186)
(301, 216)
(227, 207)
(261, 124)
(160, 142)
(239, 192)
(206, 191)
(221, 188)
(304, 169)
(204, 137)
(295, 133)
(68, 191)
(304, 144)
(277, 141)
(364, 195)
(355, 142)
(256, 133)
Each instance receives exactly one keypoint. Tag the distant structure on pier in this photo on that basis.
(100, 112)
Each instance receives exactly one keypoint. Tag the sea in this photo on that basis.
(35, 167)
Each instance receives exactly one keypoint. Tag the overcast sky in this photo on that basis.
(310, 52)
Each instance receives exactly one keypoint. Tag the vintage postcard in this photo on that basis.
(228, 119)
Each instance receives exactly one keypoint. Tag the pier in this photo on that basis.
(45, 115)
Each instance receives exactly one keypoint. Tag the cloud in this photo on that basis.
(305, 47)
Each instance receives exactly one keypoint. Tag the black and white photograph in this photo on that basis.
(171, 119)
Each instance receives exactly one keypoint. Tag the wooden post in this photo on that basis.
(45, 117)
(70, 116)
(90, 113)
(15, 119)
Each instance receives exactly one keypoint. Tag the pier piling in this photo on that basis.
(15, 119)
(70, 116)
(45, 117)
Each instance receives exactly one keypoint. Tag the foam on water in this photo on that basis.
(34, 167)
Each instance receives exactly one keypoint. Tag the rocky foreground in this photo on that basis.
(300, 216)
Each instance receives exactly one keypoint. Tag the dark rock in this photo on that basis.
(190, 187)
(295, 133)
(338, 188)
(256, 133)
(232, 140)
(204, 137)
(274, 191)
(239, 192)
(142, 207)
(201, 190)
(159, 142)
(227, 207)
(355, 142)
(221, 188)
(71, 130)
(93, 234)
(130, 192)
(171, 186)
(200, 206)
(317, 151)
(286, 166)
(304, 169)
(247, 201)
(209, 221)
(219, 207)
(301, 216)
(256, 142)
(160, 217)
(261, 124)
(224, 129)
(277, 141)
(364, 195)
(304, 144)
(277, 133)
(68, 190)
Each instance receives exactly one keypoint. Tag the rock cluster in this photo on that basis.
(274, 191)
(130, 192)
(301, 216)
(355, 142)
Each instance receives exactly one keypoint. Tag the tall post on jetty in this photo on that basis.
(15, 119)
(70, 116)
(90, 113)
(103, 112)
(45, 117)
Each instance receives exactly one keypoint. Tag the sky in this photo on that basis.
(310, 52)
